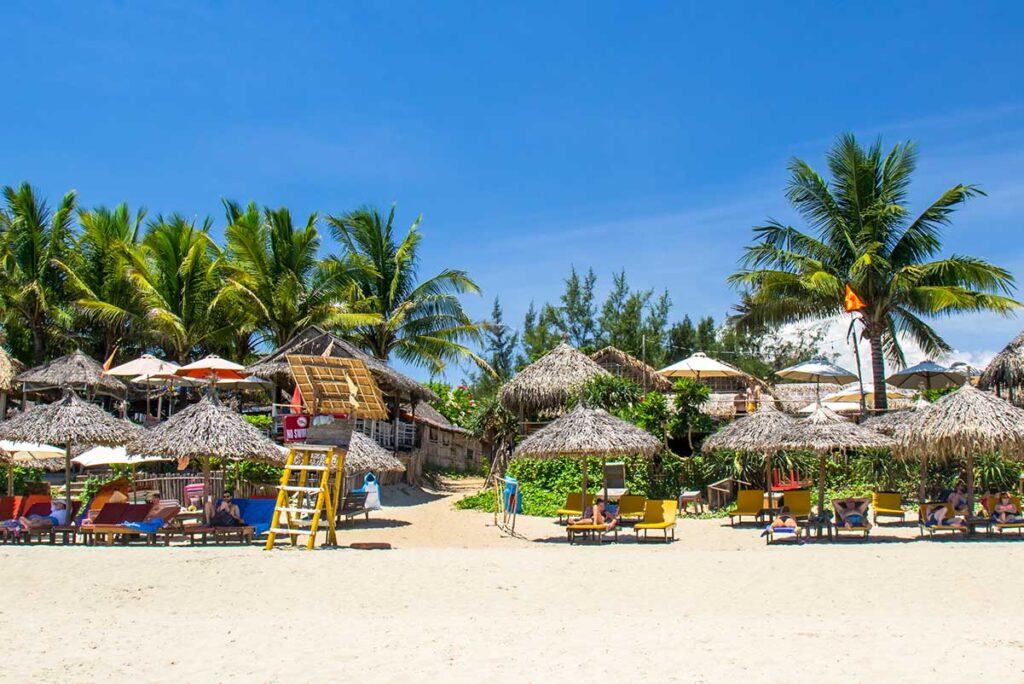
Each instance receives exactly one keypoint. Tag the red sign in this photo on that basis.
(295, 427)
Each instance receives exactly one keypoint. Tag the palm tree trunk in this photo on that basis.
(878, 369)
(38, 344)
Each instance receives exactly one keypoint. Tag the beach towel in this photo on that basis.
(147, 526)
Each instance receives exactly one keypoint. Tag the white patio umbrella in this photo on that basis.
(852, 393)
(251, 382)
(24, 452)
(817, 370)
(105, 455)
(146, 366)
(927, 375)
(701, 366)
(837, 406)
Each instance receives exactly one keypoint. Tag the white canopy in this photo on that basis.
(146, 365)
(927, 375)
(852, 393)
(103, 455)
(818, 369)
(29, 451)
(837, 406)
(700, 365)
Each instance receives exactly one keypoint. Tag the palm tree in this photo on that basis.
(33, 293)
(422, 323)
(273, 270)
(862, 234)
(96, 272)
(174, 272)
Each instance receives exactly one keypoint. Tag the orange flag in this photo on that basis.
(851, 302)
(296, 400)
(110, 361)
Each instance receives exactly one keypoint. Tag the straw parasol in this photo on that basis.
(618, 362)
(758, 432)
(888, 423)
(77, 371)
(365, 455)
(9, 368)
(546, 385)
(588, 432)
(1006, 369)
(962, 424)
(824, 432)
(203, 430)
(67, 422)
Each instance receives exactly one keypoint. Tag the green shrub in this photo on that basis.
(260, 421)
(23, 477)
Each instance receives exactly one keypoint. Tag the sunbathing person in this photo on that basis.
(1005, 510)
(957, 500)
(937, 516)
(596, 515)
(225, 514)
(784, 519)
(58, 516)
(853, 512)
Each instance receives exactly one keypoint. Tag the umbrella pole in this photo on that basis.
(821, 485)
(922, 492)
(3, 405)
(970, 484)
(583, 502)
(10, 480)
(67, 480)
(768, 478)
(604, 465)
(206, 476)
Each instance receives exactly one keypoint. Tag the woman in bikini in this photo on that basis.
(1006, 511)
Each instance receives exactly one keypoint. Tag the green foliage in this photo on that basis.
(237, 472)
(652, 413)
(933, 395)
(454, 403)
(690, 396)
(501, 349)
(611, 393)
(263, 422)
(23, 477)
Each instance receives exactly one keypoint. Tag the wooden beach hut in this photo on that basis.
(544, 388)
(623, 365)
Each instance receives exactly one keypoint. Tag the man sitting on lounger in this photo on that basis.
(58, 516)
(596, 515)
(226, 513)
(853, 513)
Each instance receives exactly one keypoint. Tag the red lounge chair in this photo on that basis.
(51, 532)
(132, 513)
(9, 506)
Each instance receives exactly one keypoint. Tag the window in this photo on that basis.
(433, 434)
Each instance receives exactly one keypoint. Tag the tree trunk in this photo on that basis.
(878, 369)
(38, 344)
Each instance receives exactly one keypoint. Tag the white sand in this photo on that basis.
(456, 600)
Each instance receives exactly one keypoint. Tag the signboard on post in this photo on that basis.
(295, 428)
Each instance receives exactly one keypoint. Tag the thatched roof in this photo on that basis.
(824, 431)
(719, 405)
(546, 385)
(9, 368)
(428, 415)
(75, 370)
(314, 341)
(623, 365)
(966, 421)
(365, 455)
(68, 421)
(1006, 369)
(206, 429)
(588, 432)
(793, 396)
(888, 423)
(758, 432)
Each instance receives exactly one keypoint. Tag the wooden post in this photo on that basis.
(922, 493)
(821, 484)
(67, 481)
(768, 476)
(3, 405)
(10, 480)
(970, 484)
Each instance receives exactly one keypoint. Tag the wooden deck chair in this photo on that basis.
(924, 510)
(659, 515)
(887, 504)
(840, 525)
(631, 506)
(749, 502)
(799, 502)
(989, 505)
(574, 505)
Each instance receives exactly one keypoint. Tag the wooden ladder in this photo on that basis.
(307, 478)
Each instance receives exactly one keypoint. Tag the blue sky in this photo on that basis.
(530, 135)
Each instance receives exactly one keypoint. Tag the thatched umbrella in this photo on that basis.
(888, 423)
(618, 362)
(66, 422)
(588, 432)
(364, 455)
(9, 368)
(546, 385)
(76, 371)
(824, 432)
(1006, 369)
(962, 424)
(203, 430)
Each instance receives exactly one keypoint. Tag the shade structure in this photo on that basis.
(28, 454)
(106, 456)
(365, 455)
(588, 432)
(204, 430)
(837, 406)
(250, 383)
(819, 370)
(9, 369)
(329, 384)
(889, 422)
(1005, 372)
(961, 425)
(146, 365)
(925, 376)
(623, 365)
(852, 393)
(546, 386)
(700, 365)
(213, 367)
(66, 422)
(825, 432)
(76, 371)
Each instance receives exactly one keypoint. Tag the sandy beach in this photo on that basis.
(458, 600)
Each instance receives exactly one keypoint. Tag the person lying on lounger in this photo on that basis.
(225, 514)
(853, 513)
(596, 515)
(58, 516)
(784, 519)
(937, 516)
(1006, 511)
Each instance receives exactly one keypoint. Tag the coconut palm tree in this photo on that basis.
(175, 274)
(861, 233)
(273, 270)
(33, 293)
(420, 322)
(96, 272)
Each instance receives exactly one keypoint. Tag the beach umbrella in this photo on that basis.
(817, 370)
(701, 366)
(9, 369)
(852, 393)
(960, 425)
(67, 422)
(925, 376)
(204, 430)
(890, 421)
(249, 383)
(587, 432)
(1006, 369)
(213, 368)
(363, 454)
(837, 406)
(548, 384)
(825, 432)
(107, 456)
(147, 367)
(75, 371)
(28, 453)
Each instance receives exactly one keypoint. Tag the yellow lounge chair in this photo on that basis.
(888, 504)
(632, 506)
(840, 526)
(799, 502)
(572, 505)
(749, 502)
(659, 515)
(795, 535)
(922, 518)
(592, 531)
(989, 504)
